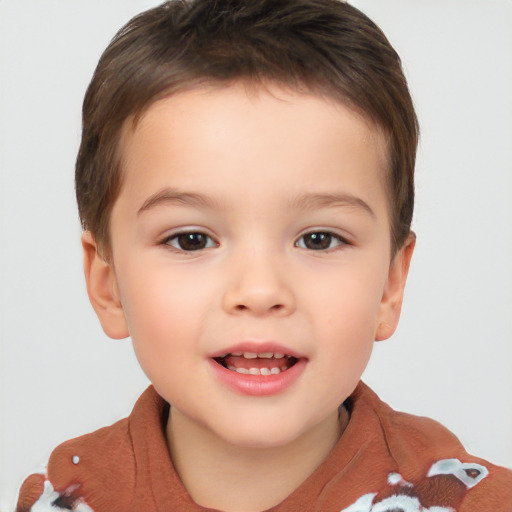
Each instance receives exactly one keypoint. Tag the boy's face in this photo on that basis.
(251, 223)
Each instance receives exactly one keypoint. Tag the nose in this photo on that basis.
(258, 286)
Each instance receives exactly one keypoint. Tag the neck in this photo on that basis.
(222, 476)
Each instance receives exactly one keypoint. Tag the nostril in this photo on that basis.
(258, 301)
(275, 307)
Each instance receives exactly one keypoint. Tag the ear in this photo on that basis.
(393, 295)
(102, 289)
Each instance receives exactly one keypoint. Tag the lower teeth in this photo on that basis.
(256, 371)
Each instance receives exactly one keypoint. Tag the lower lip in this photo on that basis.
(258, 385)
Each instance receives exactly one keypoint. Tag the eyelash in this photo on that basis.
(176, 236)
(340, 241)
(323, 235)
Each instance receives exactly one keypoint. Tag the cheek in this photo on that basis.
(350, 295)
(162, 310)
(347, 309)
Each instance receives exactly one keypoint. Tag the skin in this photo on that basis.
(266, 164)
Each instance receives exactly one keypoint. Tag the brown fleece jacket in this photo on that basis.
(385, 461)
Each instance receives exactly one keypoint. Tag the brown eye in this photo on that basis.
(193, 241)
(320, 241)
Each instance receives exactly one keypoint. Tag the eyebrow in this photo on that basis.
(313, 201)
(308, 201)
(172, 197)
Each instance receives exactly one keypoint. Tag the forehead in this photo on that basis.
(250, 128)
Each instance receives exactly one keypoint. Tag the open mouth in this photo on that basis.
(251, 363)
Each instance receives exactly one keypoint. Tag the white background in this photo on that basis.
(451, 358)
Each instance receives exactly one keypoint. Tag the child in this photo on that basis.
(245, 183)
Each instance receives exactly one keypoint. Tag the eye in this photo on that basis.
(320, 241)
(190, 241)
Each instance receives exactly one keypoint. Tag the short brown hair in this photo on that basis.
(325, 47)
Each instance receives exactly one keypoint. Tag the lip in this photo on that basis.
(258, 385)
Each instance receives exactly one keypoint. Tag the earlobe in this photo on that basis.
(391, 304)
(102, 289)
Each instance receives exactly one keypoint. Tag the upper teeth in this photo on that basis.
(262, 355)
